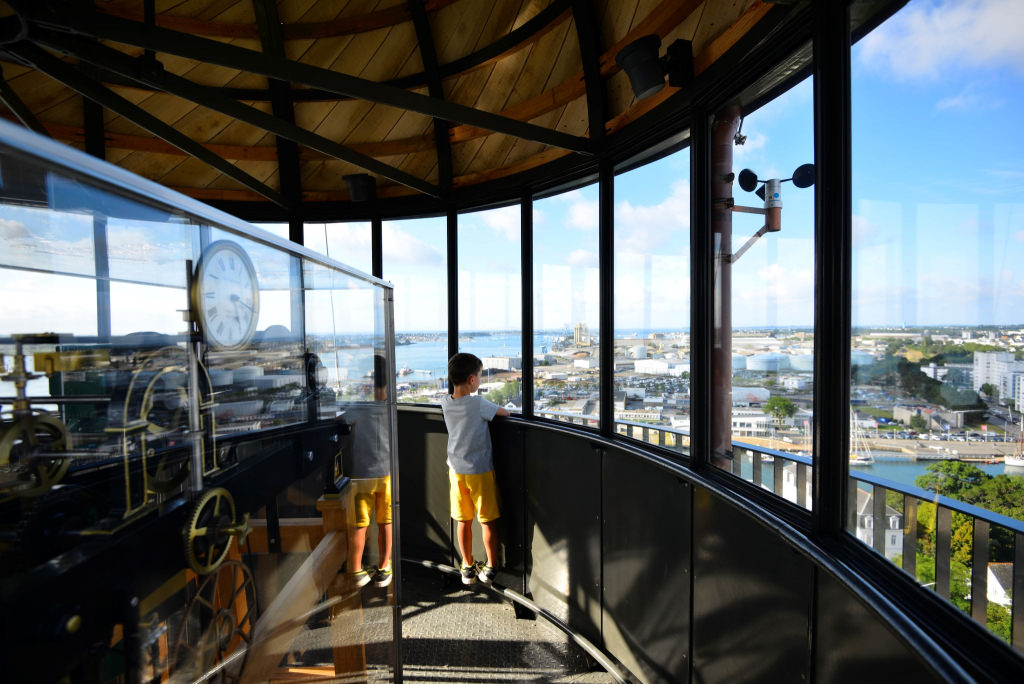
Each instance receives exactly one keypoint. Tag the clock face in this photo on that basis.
(227, 296)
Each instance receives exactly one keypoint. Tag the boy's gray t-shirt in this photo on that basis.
(469, 441)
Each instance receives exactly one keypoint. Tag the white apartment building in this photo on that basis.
(660, 367)
(502, 363)
(997, 369)
(751, 423)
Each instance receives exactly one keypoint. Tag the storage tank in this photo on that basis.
(770, 362)
(802, 362)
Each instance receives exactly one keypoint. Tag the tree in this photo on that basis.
(991, 391)
(779, 408)
(918, 422)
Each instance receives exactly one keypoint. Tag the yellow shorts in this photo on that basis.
(474, 493)
(366, 493)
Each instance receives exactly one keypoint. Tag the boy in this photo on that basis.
(471, 464)
(370, 470)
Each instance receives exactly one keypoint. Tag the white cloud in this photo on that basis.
(970, 99)
(402, 247)
(751, 149)
(926, 40)
(505, 222)
(583, 215)
(642, 228)
(13, 230)
(582, 257)
(787, 285)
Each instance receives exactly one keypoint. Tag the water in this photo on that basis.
(904, 471)
(433, 355)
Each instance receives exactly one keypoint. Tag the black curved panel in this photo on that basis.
(646, 561)
(752, 598)
(563, 526)
(426, 521)
(507, 440)
(854, 645)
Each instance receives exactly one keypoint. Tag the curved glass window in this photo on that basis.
(566, 320)
(652, 303)
(937, 353)
(415, 261)
(490, 300)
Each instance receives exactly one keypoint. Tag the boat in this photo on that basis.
(860, 455)
(1017, 457)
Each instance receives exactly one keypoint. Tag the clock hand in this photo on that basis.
(238, 300)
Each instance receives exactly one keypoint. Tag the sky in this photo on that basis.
(938, 214)
(938, 201)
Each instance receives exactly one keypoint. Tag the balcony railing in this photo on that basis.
(887, 508)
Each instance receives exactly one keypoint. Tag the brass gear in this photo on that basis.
(210, 531)
(21, 441)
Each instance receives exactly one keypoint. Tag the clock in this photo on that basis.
(226, 295)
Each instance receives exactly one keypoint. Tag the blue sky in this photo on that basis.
(938, 209)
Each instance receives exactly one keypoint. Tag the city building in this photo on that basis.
(502, 363)
(581, 336)
(508, 165)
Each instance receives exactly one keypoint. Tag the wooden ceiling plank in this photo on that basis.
(340, 26)
(212, 99)
(158, 39)
(13, 102)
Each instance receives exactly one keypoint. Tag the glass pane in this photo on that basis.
(490, 300)
(281, 230)
(349, 243)
(652, 302)
(41, 239)
(116, 411)
(938, 262)
(415, 262)
(762, 381)
(135, 246)
(566, 295)
(347, 340)
(251, 319)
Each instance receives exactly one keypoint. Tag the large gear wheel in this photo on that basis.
(211, 530)
(216, 630)
(27, 448)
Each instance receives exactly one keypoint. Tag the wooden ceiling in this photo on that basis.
(276, 102)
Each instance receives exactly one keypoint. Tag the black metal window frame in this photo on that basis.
(816, 41)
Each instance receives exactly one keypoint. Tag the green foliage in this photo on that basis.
(959, 580)
(951, 478)
(508, 392)
(918, 422)
(1003, 494)
(991, 391)
(998, 621)
(779, 408)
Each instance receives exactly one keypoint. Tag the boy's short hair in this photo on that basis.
(461, 366)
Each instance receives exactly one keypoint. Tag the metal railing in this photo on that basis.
(889, 508)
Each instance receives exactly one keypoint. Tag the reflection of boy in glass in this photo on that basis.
(371, 480)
